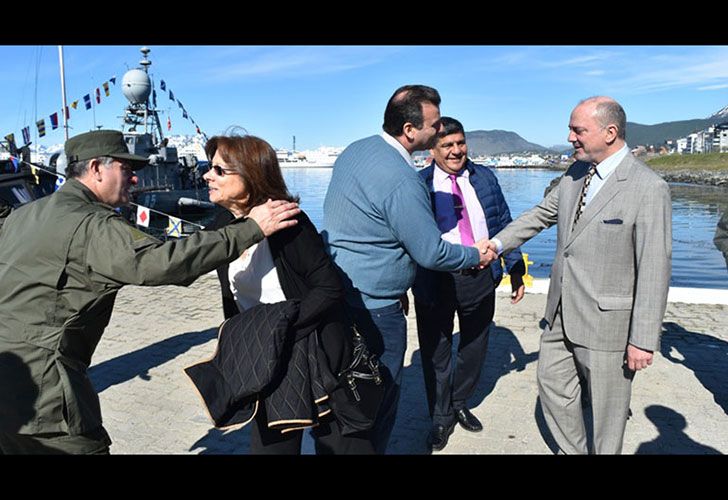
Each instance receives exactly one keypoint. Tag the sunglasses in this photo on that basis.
(220, 171)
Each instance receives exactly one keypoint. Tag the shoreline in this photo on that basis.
(688, 176)
(682, 295)
(701, 177)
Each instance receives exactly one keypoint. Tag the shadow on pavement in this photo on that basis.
(505, 355)
(413, 424)
(672, 439)
(704, 354)
(137, 363)
(218, 442)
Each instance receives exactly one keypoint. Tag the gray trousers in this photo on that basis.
(564, 370)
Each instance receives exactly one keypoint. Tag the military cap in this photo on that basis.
(101, 143)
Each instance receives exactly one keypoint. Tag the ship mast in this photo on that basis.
(63, 90)
(139, 112)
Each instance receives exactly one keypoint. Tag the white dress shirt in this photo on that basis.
(446, 221)
(604, 170)
(400, 149)
(253, 277)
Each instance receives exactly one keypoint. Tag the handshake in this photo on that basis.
(488, 252)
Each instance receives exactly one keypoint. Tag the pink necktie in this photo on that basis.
(461, 214)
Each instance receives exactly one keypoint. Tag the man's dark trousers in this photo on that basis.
(472, 296)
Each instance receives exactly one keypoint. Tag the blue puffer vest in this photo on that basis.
(497, 216)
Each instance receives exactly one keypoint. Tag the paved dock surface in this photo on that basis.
(679, 404)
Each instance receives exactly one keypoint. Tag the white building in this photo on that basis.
(720, 138)
(682, 145)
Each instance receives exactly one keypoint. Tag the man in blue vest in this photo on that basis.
(468, 205)
(378, 227)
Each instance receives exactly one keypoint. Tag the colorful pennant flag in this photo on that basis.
(54, 121)
(68, 113)
(74, 104)
(174, 227)
(184, 114)
(142, 218)
(60, 180)
(16, 164)
(41, 127)
(113, 79)
(154, 98)
(198, 129)
(87, 101)
(98, 96)
(171, 95)
(169, 123)
(106, 88)
(12, 148)
(26, 135)
(162, 85)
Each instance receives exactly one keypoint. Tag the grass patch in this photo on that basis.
(710, 161)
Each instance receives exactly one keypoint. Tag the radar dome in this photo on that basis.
(136, 86)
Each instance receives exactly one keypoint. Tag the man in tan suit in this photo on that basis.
(609, 278)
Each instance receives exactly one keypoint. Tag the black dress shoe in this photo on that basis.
(468, 421)
(439, 436)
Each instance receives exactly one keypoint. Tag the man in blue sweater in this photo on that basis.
(468, 204)
(378, 226)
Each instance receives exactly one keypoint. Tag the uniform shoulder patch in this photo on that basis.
(138, 235)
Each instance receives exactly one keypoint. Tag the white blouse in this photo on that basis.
(253, 277)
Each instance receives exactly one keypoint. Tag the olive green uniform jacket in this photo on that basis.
(63, 259)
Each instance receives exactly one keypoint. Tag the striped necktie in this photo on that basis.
(582, 196)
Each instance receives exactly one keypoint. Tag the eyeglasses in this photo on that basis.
(220, 171)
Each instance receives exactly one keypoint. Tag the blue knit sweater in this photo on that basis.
(378, 225)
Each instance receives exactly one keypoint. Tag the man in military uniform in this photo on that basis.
(63, 259)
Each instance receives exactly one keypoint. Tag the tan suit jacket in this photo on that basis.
(612, 272)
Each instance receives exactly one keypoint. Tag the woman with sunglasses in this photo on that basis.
(293, 264)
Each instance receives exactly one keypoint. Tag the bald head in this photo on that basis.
(607, 112)
(596, 129)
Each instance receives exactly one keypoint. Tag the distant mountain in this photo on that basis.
(562, 148)
(722, 114)
(490, 142)
(638, 134)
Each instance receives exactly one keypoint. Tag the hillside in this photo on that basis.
(638, 134)
(490, 142)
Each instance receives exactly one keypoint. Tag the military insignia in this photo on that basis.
(140, 239)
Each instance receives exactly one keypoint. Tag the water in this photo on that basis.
(696, 262)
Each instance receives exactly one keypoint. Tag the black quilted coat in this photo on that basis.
(290, 356)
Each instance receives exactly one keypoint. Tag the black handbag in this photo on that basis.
(357, 390)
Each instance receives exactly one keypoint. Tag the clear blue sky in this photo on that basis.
(333, 95)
